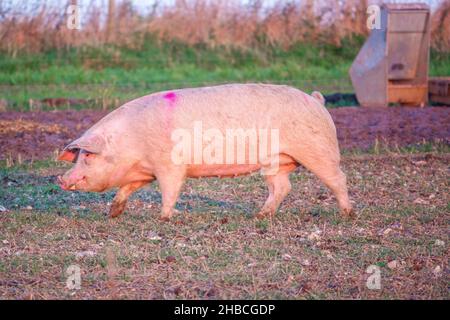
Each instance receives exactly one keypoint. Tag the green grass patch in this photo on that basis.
(119, 73)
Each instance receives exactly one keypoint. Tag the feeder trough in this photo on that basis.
(392, 65)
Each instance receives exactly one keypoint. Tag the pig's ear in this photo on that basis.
(69, 155)
(319, 97)
(91, 143)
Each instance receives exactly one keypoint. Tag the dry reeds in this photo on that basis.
(41, 26)
(440, 27)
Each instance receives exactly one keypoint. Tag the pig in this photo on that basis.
(134, 144)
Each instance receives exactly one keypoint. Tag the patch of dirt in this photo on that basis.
(36, 135)
(17, 126)
(360, 127)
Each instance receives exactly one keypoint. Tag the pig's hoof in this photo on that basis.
(117, 209)
(348, 213)
(260, 216)
(263, 215)
(164, 218)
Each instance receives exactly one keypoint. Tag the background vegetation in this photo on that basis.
(121, 53)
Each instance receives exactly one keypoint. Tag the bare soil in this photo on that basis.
(36, 135)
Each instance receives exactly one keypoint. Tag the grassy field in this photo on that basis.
(214, 248)
(116, 74)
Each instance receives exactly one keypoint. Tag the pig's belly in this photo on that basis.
(232, 170)
(221, 170)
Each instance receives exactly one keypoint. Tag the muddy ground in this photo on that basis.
(36, 135)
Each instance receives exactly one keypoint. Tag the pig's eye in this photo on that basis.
(88, 156)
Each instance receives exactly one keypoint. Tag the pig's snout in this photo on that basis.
(60, 182)
(70, 181)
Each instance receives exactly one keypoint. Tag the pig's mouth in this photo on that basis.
(71, 187)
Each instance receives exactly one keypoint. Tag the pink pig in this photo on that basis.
(136, 143)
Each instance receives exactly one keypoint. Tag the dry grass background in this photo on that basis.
(213, 23)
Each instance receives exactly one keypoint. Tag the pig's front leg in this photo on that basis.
(170, 183)
(121, 198)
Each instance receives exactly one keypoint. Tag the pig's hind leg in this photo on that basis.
(121, 198)
(336, 180)
(279, 186)
(330, 173)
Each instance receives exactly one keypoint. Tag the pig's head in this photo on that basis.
(94, 168)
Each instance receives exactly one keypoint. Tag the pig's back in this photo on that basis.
(300, 118)
(243, 106)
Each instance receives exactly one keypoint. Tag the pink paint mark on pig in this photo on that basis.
(171, 97)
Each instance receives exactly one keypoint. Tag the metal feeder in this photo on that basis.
(392, 65)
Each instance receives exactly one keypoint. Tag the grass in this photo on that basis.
(119, 73)
(382, 147)
(215, 249)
